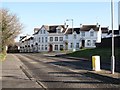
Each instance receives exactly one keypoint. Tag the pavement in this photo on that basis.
(102, 74)
(13, 76)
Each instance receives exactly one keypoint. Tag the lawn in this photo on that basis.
(104, 53)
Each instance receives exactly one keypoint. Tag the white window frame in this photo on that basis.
(71, 45)
(42, 47)
(83, 34)
(88, 42)
(75, 36)
(94, 41)
(61, 47)
(56, 47)
(66, 36)
(92, 34)
(39, 39)
(46, 39)
(77, 45)
(45, 47)
(60, 38)
(44, 31)
(42, 39)
(51, 38)
(56, 38)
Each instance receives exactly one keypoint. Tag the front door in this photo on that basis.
(66, 46)
(50, 48)
(83, 43)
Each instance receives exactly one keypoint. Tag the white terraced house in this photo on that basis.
(57, 38)
(49, 38)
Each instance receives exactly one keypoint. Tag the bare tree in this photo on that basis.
(10, 28)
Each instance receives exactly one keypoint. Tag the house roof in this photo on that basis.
(69, 30)
(88, 27)
(22, 37)
(104, 29)
(30, 38)
(51, 28)
(116, 32)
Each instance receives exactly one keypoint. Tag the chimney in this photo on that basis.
(97, 25)
(81, 25)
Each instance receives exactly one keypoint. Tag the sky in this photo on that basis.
(34, 14)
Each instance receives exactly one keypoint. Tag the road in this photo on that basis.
(54, 72)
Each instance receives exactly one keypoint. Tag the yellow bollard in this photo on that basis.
(96, 63)
(93, 62)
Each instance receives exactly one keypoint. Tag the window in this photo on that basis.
(34, 39)
(42, 48)
(88, 42)
(75, 36)
(91, 33)
(71, 45)
(61, 47)
(51, 38)
(44, 31)
(66, 36)
(77, 45)
(61, 38)
(94, 41)
(83, 34)
(56, 47)
(41, 31)
(45, 39)
(59, 31)
(42, 39)
(39, 47)
(56, 38)
(39, 39)
(45, 47)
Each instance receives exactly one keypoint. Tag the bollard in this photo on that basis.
(96, 63)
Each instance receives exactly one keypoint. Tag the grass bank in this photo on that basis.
(104, 53)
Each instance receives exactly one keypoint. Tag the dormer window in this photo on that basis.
(75, 36)
(83, 34)
(59, 31)
(66, 36)
(41, 31)
(91, 33)
(44, 31)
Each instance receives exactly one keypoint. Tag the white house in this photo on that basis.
(72, 39)
(91, 34)
(49, 38)
(58, 37)
(24, 43)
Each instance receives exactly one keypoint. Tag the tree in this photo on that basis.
(10, 28)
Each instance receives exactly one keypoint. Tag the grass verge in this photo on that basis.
(104, 53)
(2, 56)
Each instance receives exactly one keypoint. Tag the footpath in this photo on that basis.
(103, 74)
(13, 76)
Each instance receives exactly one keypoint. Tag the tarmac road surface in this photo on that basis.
(54, 73)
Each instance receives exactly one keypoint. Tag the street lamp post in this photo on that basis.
(112, 24)
(72, 33)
